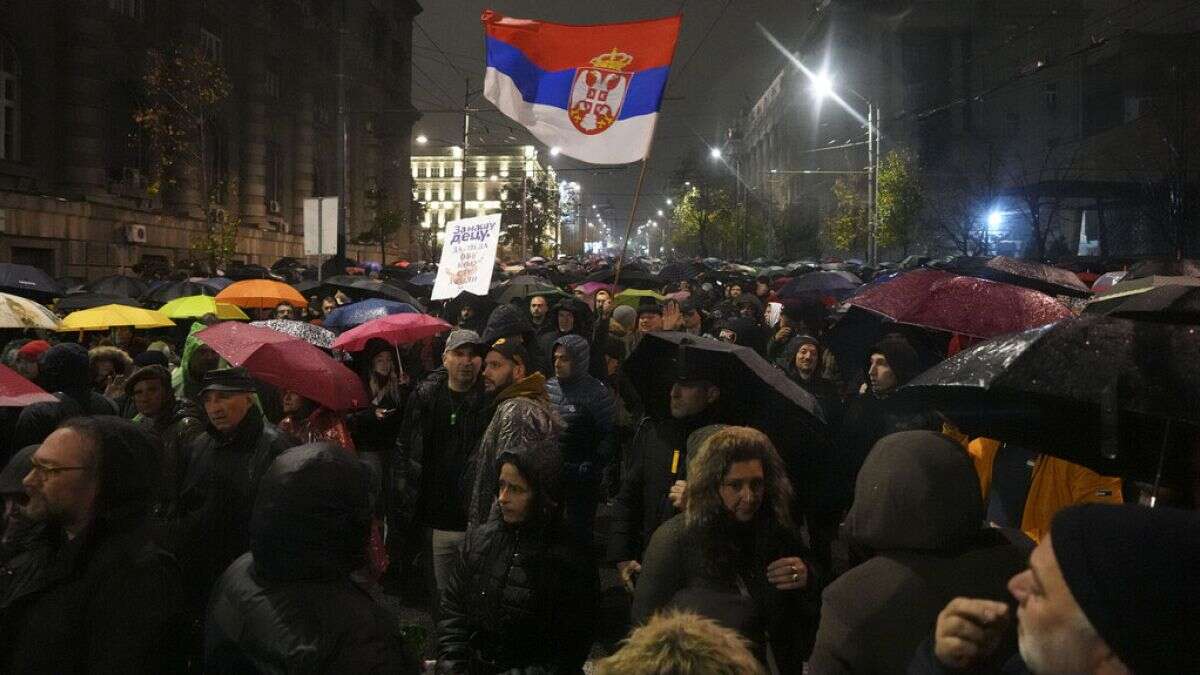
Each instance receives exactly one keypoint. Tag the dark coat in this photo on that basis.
(107, 602)
(508, 320)
(589, 440)
(290, 605)
(919, 511)
(674, 575)
(176, 429)
(413, 453)
(218, 490)
(925, 662)
(642, 504)
(520, 598)
(37, 421)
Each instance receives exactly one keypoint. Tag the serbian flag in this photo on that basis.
(591, 91)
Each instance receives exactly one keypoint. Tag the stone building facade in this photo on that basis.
(74, 165)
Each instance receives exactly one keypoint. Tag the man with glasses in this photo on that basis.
(87, 590)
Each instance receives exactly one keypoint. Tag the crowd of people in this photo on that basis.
(169, 512)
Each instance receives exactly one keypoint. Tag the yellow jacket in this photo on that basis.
(1056, 483)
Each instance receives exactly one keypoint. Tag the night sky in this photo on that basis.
(721, 66)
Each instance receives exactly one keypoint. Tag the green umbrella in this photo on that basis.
(634, 297)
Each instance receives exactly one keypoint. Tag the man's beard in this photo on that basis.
(1060, 652)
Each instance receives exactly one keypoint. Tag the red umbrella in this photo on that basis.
(287, 363)
(396, 329)
(18, 392)
(966, 305)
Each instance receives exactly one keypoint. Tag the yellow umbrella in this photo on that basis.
(196, 306)
(109, 316)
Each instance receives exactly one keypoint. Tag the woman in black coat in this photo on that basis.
(734, 554)
(522, 597)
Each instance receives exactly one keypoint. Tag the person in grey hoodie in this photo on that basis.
(588, 442)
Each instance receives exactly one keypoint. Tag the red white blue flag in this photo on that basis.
(594, 92)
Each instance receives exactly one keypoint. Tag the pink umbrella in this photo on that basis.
(679, 296)
(967, 305)
(396, 330)
(591, 287)
(287, 363)
(18, 392)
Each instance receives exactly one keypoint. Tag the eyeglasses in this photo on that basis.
(47, 470)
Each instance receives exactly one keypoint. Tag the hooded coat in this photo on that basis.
(291, 605)
(523, 417)
(63, 371)
(588, 440)
(187, 387)
(582, 326)
(521, 598)
(109, 600)
(219, 485)
(918, 510)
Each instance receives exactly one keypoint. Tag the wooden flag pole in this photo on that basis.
(637, 193)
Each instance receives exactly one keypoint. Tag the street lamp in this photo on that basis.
(670, 202)
(554, 151)
(660, 213)
(422, 139)
(715, 153)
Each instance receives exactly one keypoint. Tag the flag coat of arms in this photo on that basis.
(594, 92)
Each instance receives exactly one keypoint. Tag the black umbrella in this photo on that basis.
(1163, 267)
(180, 289)
(1165, 304)
(630, 278)
(28, 282)
(362, 288)
(815, 285)
(1102, 392)
(123, 286)
(521, 287)
(1045, 278)
(681, 271)
(78, 301)
(243, 272)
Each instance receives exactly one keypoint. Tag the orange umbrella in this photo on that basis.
(261, 294)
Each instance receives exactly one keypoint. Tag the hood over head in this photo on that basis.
(917, 491)
(120, 359)
(541, 465)
(506, 320)
(787, 360)
(579, 351)
(312, 516)
(64, 367)
(578, 308)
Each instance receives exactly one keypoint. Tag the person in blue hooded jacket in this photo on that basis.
(589, 441)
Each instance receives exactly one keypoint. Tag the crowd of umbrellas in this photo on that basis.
(1086, 365)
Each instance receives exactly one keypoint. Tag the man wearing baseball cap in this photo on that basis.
(1111, 589)
(441, 429)
(522, 417)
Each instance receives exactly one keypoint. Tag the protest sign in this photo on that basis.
(468, 256)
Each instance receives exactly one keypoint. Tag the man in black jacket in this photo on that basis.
(64, 372)
(441, 429)
(95, 595)
(223, 468)
(651, 489)
(290, 604)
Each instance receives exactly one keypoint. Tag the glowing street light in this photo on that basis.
(422, 139)
(822, 85)
(995, 219)
(554, 151)
(715, 153)
(660, 212)
(670, 202)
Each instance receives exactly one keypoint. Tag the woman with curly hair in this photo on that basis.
(734, 554)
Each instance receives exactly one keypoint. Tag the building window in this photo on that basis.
(211, 45)
(272, 82)
(271, 160)
(1050, 96)
(10, 102)
(134, 9)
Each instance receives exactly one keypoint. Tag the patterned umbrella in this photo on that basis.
(18, 312)
(301, 330)
(358, 313)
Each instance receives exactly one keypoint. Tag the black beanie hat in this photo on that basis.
(900, 356)
(64, 367)
(1135, 572)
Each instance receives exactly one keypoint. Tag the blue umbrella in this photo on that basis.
(423, 279)
(218, 283)
(356, 314)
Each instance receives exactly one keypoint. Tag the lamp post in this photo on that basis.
(822, 88)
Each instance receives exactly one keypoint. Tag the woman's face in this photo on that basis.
(382, 364)
(742, 489)
(515, 498)
(292, 402)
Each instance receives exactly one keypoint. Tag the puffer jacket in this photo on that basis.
(523, 417)
(521, 598)
(290, 605)
(219, 485)
(588, 410)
